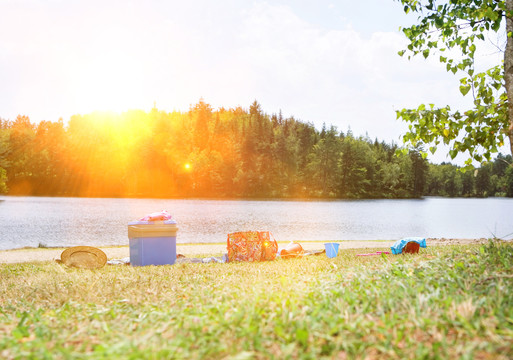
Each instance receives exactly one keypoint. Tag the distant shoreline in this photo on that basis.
(29, 255)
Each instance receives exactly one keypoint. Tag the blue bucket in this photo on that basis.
(331, 249)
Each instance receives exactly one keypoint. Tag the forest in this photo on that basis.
(223, 153)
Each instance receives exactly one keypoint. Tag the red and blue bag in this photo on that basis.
(251, 246)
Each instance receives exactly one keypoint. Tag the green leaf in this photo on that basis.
(464, 89)
(491, 14)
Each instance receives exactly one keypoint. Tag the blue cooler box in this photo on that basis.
(152, 242)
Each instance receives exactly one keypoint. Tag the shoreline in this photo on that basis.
(29, 255)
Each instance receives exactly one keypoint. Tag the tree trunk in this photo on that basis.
(508, 69)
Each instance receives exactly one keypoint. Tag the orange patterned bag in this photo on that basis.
(251, 246)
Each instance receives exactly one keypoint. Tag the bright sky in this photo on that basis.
(321, 61)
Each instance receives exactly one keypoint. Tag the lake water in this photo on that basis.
(46, 221)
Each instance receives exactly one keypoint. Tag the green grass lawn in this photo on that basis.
(444, 303)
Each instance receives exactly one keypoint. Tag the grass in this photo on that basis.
(447, 302)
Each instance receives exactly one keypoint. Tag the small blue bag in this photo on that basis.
(398, 246)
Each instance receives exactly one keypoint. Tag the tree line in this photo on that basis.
(224, 153)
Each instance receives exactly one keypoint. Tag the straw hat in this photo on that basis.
(85, 257)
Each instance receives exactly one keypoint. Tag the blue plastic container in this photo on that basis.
(331, 249)
(152, 242)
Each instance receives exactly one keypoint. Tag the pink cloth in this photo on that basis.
(156, 216)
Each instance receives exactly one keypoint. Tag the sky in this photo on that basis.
(321, 61)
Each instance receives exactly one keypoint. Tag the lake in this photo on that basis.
(63, 222)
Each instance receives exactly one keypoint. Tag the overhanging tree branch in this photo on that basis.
(482, 129)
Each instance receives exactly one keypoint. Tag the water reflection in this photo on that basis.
(35, 221)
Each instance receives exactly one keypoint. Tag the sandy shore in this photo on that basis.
(190, 250)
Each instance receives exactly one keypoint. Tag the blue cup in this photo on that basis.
(331, 249)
